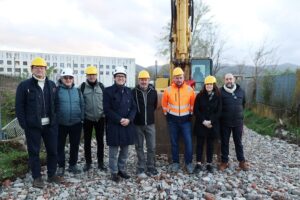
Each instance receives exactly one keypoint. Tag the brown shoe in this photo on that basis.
(38, 183)
(243, 165)
(55, 179)
(223, 166)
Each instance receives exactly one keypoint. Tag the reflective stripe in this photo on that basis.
(179, 115)
(177, 107)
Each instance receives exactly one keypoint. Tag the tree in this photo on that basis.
(264, 59)
(205, 41)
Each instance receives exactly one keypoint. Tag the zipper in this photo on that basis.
(70, 104)
(179, 100)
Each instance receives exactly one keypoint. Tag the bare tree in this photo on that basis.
(205, 40)
(264, 59)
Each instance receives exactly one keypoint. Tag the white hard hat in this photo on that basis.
(120, 70)
(67, 72)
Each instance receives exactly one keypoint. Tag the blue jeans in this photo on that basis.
(33, 139)
(118, 163)
(184, 128)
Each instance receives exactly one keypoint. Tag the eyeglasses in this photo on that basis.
(68, 77)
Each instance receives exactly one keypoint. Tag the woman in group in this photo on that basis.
(207, 110)
(70, 105)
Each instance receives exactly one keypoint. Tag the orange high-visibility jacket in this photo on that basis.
(178, 101)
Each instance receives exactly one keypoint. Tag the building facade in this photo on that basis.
(16, 63)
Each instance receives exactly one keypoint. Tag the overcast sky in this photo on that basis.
(130, 28)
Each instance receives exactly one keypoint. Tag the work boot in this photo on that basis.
(123, 175)
(115, 177)
(87, 167)
(55, 179)
(38, 183)
(102, 167)
(243, 165)
(223, 166)
(74, 169)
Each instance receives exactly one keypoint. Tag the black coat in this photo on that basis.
(207, 108)
(145, 112)
(118, 103)
(232, 107)
(32, 103)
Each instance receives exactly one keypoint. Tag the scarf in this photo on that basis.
(41, 81)
(230, 90)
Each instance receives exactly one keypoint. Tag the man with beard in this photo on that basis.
(233, 103)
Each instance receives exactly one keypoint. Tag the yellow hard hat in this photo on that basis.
(91, 70)
(177, 71)
(38, 62)
(144, 74)
(210, 80)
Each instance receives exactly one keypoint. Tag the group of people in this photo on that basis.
(53, 112)
(217, 111)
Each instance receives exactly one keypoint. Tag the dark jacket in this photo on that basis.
(232, 107)
(69, 105)
(207, 107)
(33, 103)
(118, 103)
(145, 111)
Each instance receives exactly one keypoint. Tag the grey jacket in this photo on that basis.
(93, 100)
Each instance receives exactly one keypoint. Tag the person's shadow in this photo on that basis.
(197, 75)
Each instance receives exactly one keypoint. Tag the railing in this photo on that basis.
(12, 130)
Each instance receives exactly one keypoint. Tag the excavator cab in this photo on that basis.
(200, 68)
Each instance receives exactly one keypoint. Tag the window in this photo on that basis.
(95, 65)
(17, 62)
(125, 67)
(114, 66)
(61, 64)
(9, 62)
(107, 73)
(88, 65)
(82, 72)
(107, 66)
(75, 71)
(1, 69)
(68, 64)
(100, 66)
(9, 69)
(8, 55)
(48, 64)
(25, 63)
(101, 72)
(1, 62)
(82, 65)
(25, 70)
(17, 70)
(54, 64)
(75, 65)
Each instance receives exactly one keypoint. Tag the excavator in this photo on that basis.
(195, 69)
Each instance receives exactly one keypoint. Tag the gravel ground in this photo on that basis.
(274, 174)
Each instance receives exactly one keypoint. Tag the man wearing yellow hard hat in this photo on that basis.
(145, 97)
(92, 91)
(178, 103)
(35, 110)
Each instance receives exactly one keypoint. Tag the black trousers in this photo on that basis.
(209, 148)
(88, 127)
(33, 139)
(237, 133)
(74, 132)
